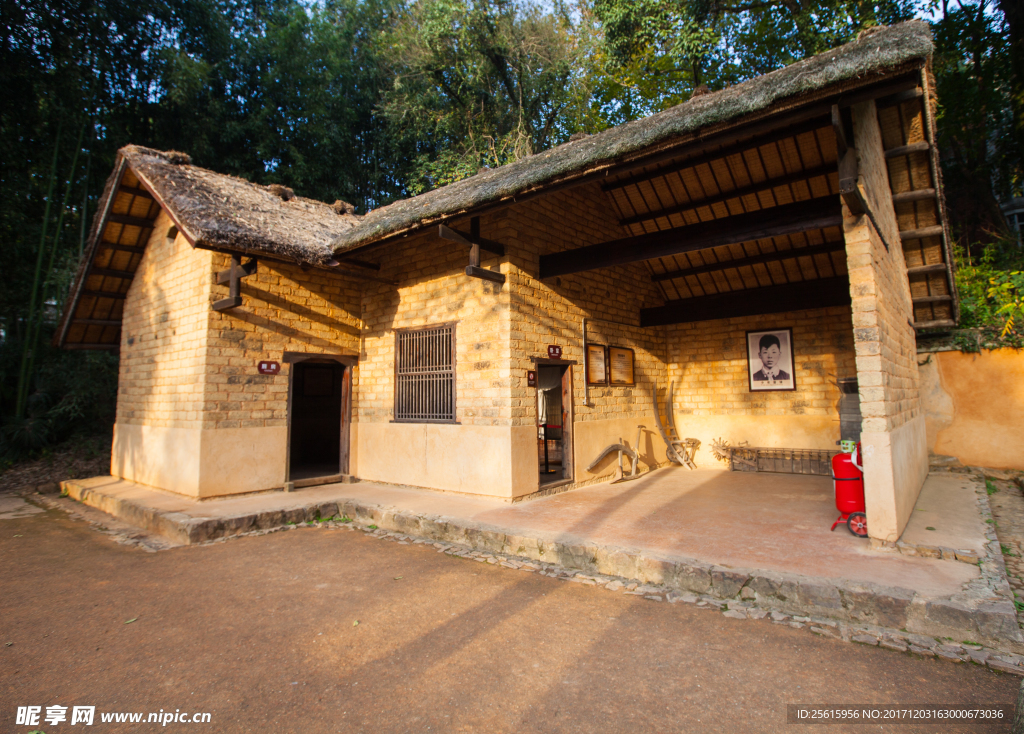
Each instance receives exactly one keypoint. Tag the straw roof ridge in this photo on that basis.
(229, 213)
(871, 54)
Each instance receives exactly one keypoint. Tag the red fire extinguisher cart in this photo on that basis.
(849, 478)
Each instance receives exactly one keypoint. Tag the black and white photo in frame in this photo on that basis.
(770, 360)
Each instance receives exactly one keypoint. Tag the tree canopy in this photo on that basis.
(372, 100)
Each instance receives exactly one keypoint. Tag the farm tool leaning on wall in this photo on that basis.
(623, 449)
(680, 450)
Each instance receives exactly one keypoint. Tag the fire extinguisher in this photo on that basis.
(848, 475)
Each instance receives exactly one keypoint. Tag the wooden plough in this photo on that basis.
(680, 450)
(623, 449)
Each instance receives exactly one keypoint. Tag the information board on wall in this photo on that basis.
(621, 363)
(597, 368)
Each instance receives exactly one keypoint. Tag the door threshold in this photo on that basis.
(328, 479)
(551, 485)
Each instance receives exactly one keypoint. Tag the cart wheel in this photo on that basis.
(858, 524)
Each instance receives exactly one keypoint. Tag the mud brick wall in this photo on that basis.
(552, 311)
(164, 335)
(886, 342)
(284, 309)
(708, 363)
(894, 432)
(432, 288)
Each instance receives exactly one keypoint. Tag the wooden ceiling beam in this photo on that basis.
(123, 248)
(922, 300)
(97, 322)
(899, 98)
(112, 347)
(770, 257)
(764, 186)
(918, 147)
(134, 191)
(937, 324)
(700, 158)
(104, 294)
(915, 195)
(915, 234)
(803, 216)
(130, 221)
(107, 273)
(925, 269)
(751, 302)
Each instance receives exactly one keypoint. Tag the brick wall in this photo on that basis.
(882, 309)
(708, 363)
(552, 311)
(432, 288)
(164, 335)
(284, 309)
(894, 434)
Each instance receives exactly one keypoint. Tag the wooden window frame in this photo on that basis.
(454, 372)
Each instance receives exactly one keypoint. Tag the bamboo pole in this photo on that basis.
(19, 406)
(34, 336)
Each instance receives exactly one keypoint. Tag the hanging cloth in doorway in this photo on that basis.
(549, 382)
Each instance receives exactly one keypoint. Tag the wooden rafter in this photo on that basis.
(807, 294)
(788, 219)
(756, 188)
(702, 158)
(769, 257)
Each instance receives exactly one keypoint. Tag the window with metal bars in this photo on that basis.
(425, 374)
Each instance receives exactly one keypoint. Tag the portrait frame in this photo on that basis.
(785, 366)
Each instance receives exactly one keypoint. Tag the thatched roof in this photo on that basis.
(872, 55)
(229, 213)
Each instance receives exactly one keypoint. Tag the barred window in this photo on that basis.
(425, 374)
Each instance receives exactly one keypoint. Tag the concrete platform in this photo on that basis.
(762, 537)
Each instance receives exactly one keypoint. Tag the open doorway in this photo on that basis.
(554, 423)
(315, 439)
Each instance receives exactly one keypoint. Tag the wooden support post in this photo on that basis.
(233, 277)
(475, 243)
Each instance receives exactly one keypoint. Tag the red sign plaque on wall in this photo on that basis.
(554, 351)
(531, 378)
(268, 368)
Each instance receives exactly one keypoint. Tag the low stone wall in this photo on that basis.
(973, 405)
(982, 612)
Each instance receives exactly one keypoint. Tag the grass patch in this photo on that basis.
(990, 488)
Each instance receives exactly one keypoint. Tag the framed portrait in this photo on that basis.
(770, 365)
(620, 365)
(597, 364)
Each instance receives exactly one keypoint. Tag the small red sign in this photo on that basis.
(268, 368)
(554, 351)
(531, 378)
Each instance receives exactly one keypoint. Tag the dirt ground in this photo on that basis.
(262, 633)
(76, 458)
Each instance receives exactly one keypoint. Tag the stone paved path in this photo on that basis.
(1007, 502)
(262, 633)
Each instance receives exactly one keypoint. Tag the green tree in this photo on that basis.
(978, 132)
(485, 82)
(661, 51)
